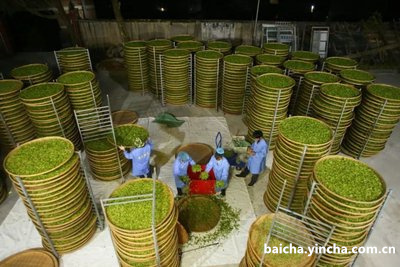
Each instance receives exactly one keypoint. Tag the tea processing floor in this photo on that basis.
(19, 233)
(113, 82)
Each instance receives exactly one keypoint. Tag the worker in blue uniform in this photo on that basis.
(180, 167)
(220, 165)
(140, 159)
(257, 158)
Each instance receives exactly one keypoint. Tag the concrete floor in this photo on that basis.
(113, 82)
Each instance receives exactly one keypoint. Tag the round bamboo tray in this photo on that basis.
(105, 159)
(278, 49)
(353, 218)
(220, 46)
(32, 73)
(336, 64)
(15, 126)
(289, 163)
(50, 111)
(136, 246)
(255, 246)
(335, 106)
(268, 59)
(124, 117)
(305, 56)
(136, 64)
(268, 105)
(58, 192)
(82, 88)
(176, 80)
(248, 50)
(374, 121)
(199, 152)
(235, 73)
(208, 78)
(296, 69)
(36, 257)
(191, 46)
(188, 219)
(155, 48)
(308, 90)
(74, 59)
(358, 78)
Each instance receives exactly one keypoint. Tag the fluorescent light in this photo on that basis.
(312, 8)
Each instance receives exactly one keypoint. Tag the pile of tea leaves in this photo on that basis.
(196, 168)
(349, 178)
(238, 59)
(130, 136)
(305, 130)
(385, 91)
(138, 215)
(229, 222)
(275, 81)
(38, 157)
(204, 176)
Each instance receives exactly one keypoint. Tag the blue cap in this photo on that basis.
(220, 151)
(183, 156)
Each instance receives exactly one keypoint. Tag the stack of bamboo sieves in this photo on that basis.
(82, 88)
(335, 106)
(191, 46)
(268, 105)
(301, 142)
(348, 195)
(305, 56)
(256, 71)
(73, 59)
(336, 64)
(181, 38)
(50, 111)
(51, 173)
(207, 84)
(267, 59)
(235, 82)
(374, 122)
(105, 160)
(15, 125)
(136, 64)
(309, 89)
(358, 78)
(155, 49)
(248, 50)
(258, 233)
(278, 49)
(296, 69)
(130, 225)
(176, 76)
(32, 73)
(220, 46)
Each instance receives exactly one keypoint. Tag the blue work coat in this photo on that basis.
(220, 168)
(180, 169)
(140, 159)
(256, 162)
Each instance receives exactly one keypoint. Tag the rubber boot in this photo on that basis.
(254, 179)
(179, 191)
(244, 173)
(223, 192)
